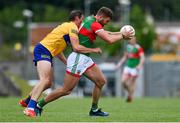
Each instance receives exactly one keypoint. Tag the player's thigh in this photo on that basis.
(125, 74)
(44, 69)
(95, 75)
(70, 82)
(125, 77)
(133, 79)
(134, 73)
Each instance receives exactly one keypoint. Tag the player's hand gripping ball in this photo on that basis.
(127, 31)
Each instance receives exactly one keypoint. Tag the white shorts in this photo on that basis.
(130, 71)
(78, 63)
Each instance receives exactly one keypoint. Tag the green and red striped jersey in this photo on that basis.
(88, 30)
(133, 54)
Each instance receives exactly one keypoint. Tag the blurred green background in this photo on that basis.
(11, 12)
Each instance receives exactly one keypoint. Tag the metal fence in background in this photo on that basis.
(162, 79)
(157, 79)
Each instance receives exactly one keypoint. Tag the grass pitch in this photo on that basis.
(76, 110)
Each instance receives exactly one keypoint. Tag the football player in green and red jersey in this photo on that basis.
(81, 63)
(134, 57)
(51, 46)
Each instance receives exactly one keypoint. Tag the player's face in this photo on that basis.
(79, 20)
(132, 41)
(104, 20)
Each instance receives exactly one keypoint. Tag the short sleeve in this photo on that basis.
(96, 27)
(73, 31)
(140, 51)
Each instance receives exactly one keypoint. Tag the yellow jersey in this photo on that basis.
(55, 41)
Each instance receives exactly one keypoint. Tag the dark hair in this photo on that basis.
(75, 13)
(106, 12)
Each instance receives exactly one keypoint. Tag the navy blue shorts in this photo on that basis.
(41, 53)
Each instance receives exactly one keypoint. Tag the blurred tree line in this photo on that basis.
(160, 9)
(58, 10)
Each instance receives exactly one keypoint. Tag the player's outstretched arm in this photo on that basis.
(82, 49)
(121, 61)
(111, 37)
(114, 33)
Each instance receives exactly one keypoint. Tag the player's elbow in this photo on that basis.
(106, 37)
(109, 40)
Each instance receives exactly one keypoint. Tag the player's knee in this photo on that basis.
(101, 82)
(125, 84)
(47, 82)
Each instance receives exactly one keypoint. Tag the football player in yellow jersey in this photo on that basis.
(79, 64)
(52, 46)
